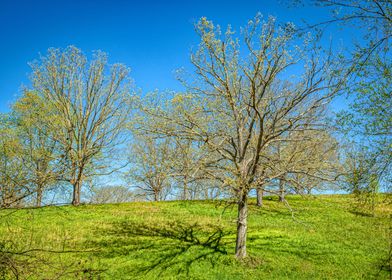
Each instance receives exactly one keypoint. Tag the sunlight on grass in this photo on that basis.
(195, 240)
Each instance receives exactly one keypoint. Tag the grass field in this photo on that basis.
(195, 240)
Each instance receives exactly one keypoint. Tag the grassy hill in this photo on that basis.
(321, 239)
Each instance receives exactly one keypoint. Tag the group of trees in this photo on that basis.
(252, 118)
(63, 129)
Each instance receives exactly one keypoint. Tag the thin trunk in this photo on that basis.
(156, 196)
(38, 203)
(76, 193)
(206, 196)
(260, 194)
(281, 191)
(185, 188)
(240, 247)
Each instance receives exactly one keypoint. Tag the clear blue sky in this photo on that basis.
(153, 38)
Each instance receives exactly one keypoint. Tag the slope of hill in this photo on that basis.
(321, 239)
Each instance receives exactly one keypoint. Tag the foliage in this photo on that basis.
(369, 116)
(13, 184)
(37, 126)
(362, 180)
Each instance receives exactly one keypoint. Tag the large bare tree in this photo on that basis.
(247, 95)
(92, 101)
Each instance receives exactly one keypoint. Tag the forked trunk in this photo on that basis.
(76, 193)
(240, 247)
(260, 193)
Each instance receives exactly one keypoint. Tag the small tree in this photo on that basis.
(151, 166)
(305, 160)
(361, 180)
(110, 194)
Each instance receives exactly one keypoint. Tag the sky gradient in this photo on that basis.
(153, 38)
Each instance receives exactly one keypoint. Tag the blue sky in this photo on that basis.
(153, 38)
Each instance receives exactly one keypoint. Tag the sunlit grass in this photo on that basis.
(321, 239)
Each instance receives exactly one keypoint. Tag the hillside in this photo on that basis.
(321, 239)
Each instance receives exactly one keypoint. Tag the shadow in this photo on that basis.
(360, 213)
(174, 246)
(385, 267)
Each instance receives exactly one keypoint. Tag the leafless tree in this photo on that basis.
(111, 194)
(307, 159)
(151, 161)
(243, 103)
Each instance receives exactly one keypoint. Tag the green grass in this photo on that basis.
(195, 240)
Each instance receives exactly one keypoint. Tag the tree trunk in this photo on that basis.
(281, 191)
(185, 188)
(38, 202)
(240, 247)
(260, 193)
(206, 195)
(76, 193)
(156, 196)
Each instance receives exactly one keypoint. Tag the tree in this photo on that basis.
(151, 166)
(369, 117)
(242, 104)
(185, 166)
(308, 160)
(373, 17)
(38, 138)
(111, 194)
(13, 186)
(184, 158)
(362, 180)
(369, 114)
(91, 99)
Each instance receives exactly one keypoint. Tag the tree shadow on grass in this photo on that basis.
(174, 246)
(361, 213)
